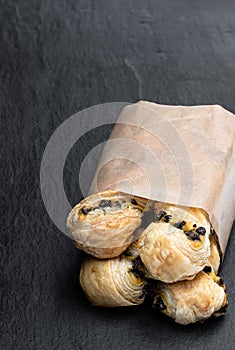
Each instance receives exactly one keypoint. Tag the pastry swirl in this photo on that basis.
(103, 224)
(192, 300)
(111, 282)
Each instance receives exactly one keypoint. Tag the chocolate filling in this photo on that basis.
(117, 204)
(160, 215)
(137, 267)
(193, 236)
(207, 269)
(180, 224)
(133, 201)
(201, 231)
(221, 281)
(85, 211)
(158, 304)
(105, 203)
(167, 218)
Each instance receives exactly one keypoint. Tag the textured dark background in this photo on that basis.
(58, 57)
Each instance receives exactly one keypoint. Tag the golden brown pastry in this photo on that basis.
(104, 224)
(177, 245)
(214, 259)
(111, 282)
(192, 300)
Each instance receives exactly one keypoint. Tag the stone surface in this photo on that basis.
(58, 57)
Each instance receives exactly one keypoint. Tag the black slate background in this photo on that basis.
(59, 57)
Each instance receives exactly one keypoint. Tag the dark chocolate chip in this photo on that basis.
(133, 201)
(159, 215)
(137, 266)
(117, 204)
(85, 211)
(207, 269)
(167, 218)
(180, 224)
(201, 231)
(158, 304)
(221, 281)
(104, 203)
(193, 236)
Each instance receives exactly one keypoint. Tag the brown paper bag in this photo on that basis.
(174, 154)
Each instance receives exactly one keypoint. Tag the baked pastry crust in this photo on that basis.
(104, 224)
(192, 300)
(215, 257)
(177, 246)
(111, 282)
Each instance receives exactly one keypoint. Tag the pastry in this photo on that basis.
(104, 224)
(111, 282)
(192, 300)
(215, 256)
(176, 246)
